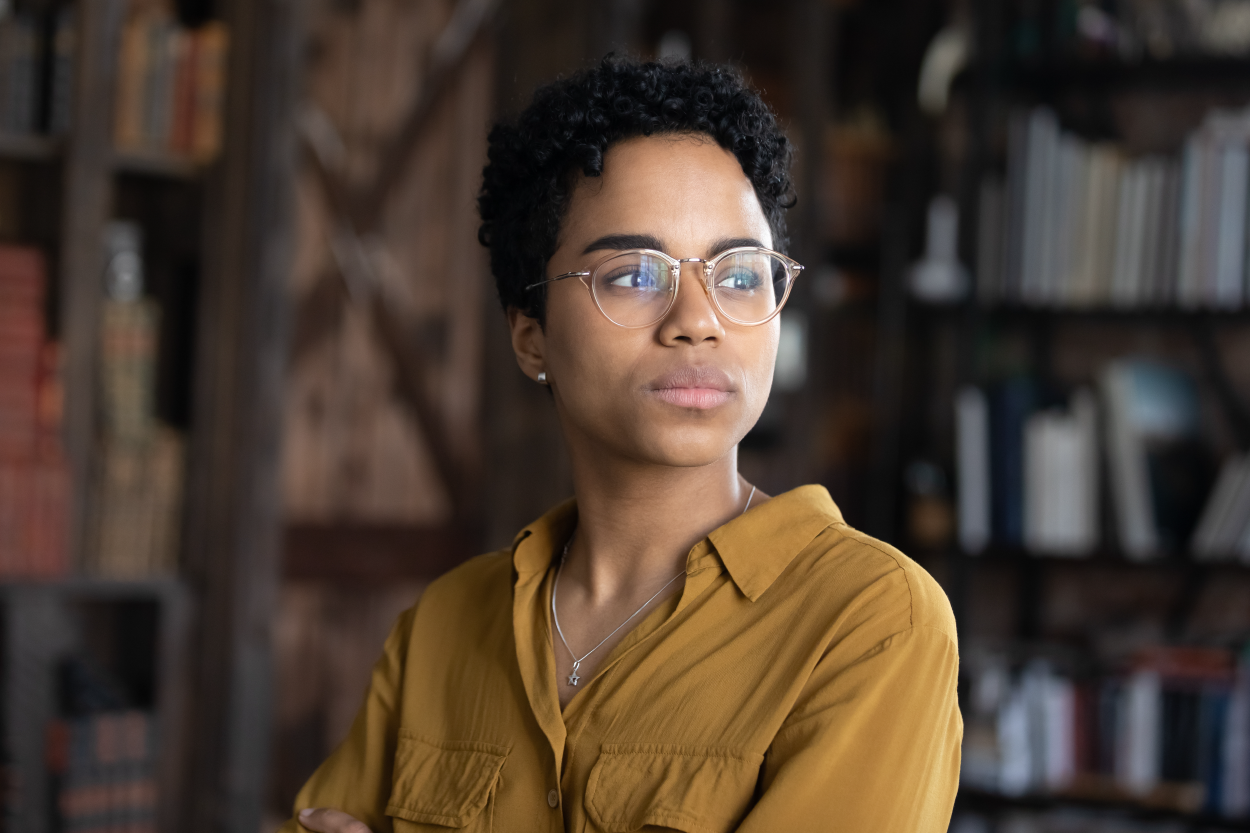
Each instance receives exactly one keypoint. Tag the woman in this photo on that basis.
(673, 648)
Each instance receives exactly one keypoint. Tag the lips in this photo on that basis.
(700, 387)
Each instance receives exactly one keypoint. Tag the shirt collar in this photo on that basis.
(756, 547)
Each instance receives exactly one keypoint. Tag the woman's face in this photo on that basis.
(683, 391)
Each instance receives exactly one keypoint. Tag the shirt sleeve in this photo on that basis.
(870, 747)
(356, 778)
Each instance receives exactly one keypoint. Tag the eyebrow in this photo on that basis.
(621, 242)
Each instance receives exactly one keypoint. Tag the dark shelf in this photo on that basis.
(29, 147)
(156, 164)
(1112, 74)
(970, 799)
(997, 554)
(1141, 316)
(101, 588)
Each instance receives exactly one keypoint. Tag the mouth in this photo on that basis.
(701, 388)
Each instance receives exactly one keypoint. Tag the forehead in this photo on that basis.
(684, 189)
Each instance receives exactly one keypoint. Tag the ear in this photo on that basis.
(528, 342)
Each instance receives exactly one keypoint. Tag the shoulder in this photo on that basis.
(867, 580)
(479, 580)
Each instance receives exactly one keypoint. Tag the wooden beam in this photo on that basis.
(469, 20)
(370, 553)
(234, 502)
(88, 198)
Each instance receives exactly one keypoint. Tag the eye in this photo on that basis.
(740, 279)
(635, 277)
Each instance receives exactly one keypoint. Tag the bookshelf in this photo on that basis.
(1084, 626)
(182, 646)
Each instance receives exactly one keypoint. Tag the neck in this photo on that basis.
(637, 522)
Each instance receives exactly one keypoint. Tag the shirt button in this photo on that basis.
(553, 799)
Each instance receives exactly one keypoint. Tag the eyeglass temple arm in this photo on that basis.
(559, 278)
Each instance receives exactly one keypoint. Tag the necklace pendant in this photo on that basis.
(574, 679)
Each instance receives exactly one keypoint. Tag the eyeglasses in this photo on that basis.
(636, 288)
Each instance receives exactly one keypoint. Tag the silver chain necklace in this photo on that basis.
(573, 678)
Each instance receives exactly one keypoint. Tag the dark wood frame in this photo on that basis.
(214, 696)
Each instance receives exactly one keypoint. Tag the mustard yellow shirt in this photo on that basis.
(804, 679)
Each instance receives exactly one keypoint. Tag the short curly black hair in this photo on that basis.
(571, 123)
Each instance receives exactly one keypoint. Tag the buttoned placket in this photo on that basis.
(539, 668)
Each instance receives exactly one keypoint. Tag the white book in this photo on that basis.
(1226, 287)
(1189, 260)
(1043, 142)
(1061, 479)
(1015, 759)
(1130, 481)
(1074, 159)
(1208, 543)
(1168, 252)
(1127, 270)
(972, 451)
(1060, 732)
(1139, 735)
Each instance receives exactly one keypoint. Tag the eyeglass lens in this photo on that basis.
(635, 289)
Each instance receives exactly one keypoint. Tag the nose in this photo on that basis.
(692, 319)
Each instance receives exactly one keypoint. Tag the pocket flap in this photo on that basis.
(442, 782)
(695, 789)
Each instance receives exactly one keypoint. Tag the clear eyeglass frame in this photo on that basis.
(586, 278)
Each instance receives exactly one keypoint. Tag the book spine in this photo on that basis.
(210, 88)
(1230, 248)
(972, 441)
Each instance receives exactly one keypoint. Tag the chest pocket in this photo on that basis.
(440, 784)
(637, 786)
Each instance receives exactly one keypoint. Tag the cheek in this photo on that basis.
(759, 357)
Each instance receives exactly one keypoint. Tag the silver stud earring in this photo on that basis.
(542, 377)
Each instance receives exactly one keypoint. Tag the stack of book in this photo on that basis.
(36, 71)
(137, 499)
(1081, 224)
(1029, 475)
(1171, 729)
(103, 766)
(170, 84)
(34, 480)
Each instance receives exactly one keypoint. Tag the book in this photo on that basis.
(104, 766)
(60, 106)
(972, 452)
(1159, 476)
(1083, 224)
(1226, 513)
(20, 72)
(171, 84)
(1061, 507)
(1017, 199)
(1011, 404)
(991, 228)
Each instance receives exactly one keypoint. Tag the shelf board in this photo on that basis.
(1154, 316)
(105, 588)
(1111, 74)
(1101, 558)
(371, 553)
(156, 164)
(29, 147)
(991, 801)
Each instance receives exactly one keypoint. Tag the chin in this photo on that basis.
(686, 448)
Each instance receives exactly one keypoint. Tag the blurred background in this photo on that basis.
(256, 391)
